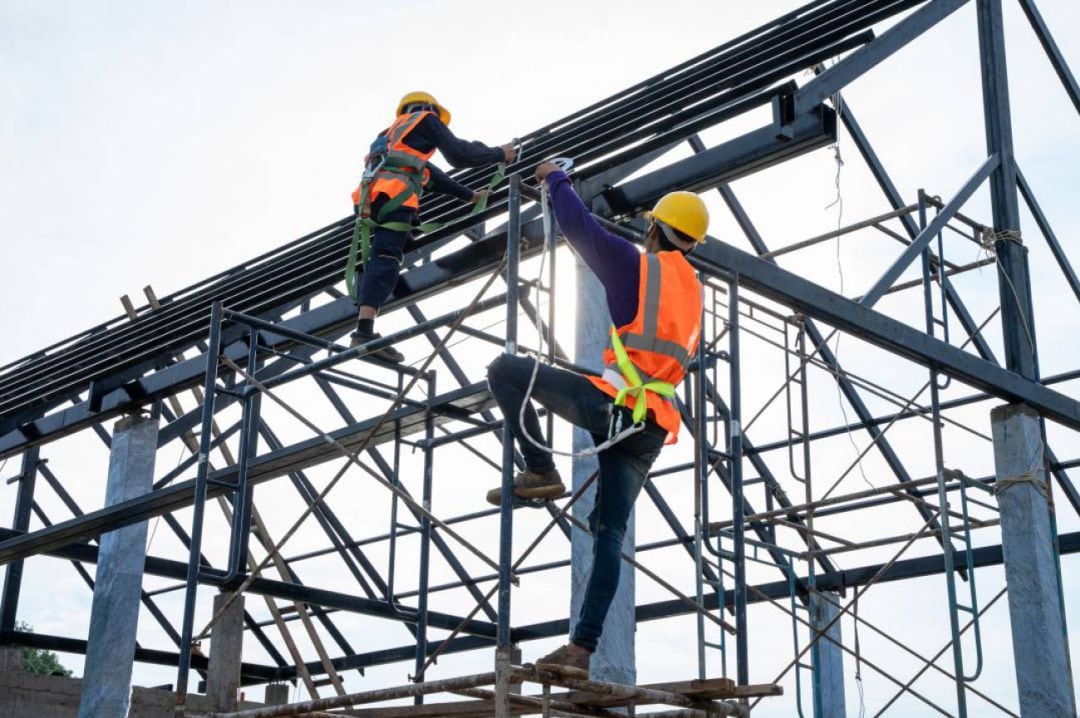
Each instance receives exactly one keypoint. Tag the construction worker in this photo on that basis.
(400, 171)
(655, 302)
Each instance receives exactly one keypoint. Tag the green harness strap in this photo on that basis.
(362, 229)
(636, 387)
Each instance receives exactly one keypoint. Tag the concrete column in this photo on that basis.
(277, 694)
(827, 657)
(226, 648)
(1040, 651)
(614, 657)
(114, 616)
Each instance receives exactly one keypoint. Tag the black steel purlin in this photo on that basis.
(277, 321)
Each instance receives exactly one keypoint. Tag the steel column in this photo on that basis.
(24, 500)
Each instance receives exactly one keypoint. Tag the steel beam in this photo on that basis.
(177, 570)
(276, 463)
(1057, 60)
(24, 500)
(923, 239)
(790, 289)
(850, 68)
(726, 162)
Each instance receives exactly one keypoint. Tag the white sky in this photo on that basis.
(153, 143)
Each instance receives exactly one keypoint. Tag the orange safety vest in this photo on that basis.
(662, 338)
(404, 169)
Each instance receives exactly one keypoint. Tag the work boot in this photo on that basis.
(532, 485)
(387, 353)
(569, 661)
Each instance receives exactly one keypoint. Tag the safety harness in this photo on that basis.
(632, 383)
(411, 169)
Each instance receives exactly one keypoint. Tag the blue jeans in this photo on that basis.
(623, 468)
(384, 260)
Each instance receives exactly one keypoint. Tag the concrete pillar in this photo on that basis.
(226, 648)
(114, 616)
(614, 657)
(277, 694)
(1040, 651)
(827, 657)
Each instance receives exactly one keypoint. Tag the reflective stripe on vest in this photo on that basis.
(405, 169)
(647, 340)
(655, 347)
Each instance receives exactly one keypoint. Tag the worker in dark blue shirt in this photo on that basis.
(404, 171)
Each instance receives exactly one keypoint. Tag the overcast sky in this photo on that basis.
(159, 143)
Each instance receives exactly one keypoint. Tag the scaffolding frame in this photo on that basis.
(259, 342)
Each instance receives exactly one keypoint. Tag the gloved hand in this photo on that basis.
(546, 168)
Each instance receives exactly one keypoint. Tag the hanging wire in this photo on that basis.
(838, 202)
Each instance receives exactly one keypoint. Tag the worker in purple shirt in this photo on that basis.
(655, 303)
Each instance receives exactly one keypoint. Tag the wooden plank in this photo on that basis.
(754, 690)
(706, 689)
(450, 709)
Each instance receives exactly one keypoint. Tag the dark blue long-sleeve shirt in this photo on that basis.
(431, 134)
(614, 260)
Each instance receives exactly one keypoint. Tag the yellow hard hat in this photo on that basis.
(423, 98)
(683, 211)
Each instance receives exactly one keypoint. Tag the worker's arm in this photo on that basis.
(459, 153)
(615, 261)
(440, 183)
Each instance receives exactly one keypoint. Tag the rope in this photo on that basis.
(838, 105)
(990, 238)
(1028, 477)
(616, 433)
(988, 243)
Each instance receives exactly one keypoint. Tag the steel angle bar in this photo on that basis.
(885, 332)
(763, 470)
(888, 453)
(726, 162)
(888, 188)
(901, 570)
(69, 501)
(1057, 60)
(871, 222)
(1048, 234)
(311, 265)
(453, 270)
(287, 591)
(841, 74)
(923, 239)
(275, 463)
(9, 600)
(959, 309)
(249, 672)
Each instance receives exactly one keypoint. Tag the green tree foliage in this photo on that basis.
(39, 661)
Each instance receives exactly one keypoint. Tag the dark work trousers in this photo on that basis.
(623, 468)
(385, 256)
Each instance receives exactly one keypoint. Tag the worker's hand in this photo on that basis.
(509, 152)
(478, 197)
(546, 168)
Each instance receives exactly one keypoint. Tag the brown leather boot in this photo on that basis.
(532, 485)
(569, 661)
(387, 353)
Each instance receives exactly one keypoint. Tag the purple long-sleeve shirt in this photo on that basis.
(615, 261)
